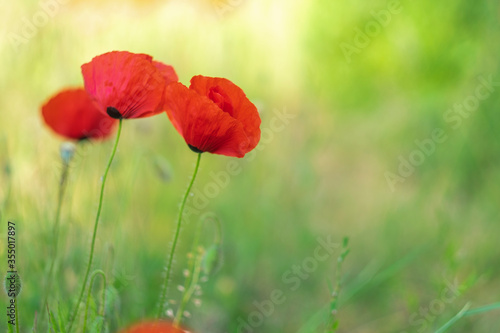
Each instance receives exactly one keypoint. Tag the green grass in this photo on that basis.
(322, 174)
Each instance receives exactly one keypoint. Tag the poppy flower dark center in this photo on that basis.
(219, 97)
(113, 112)
(193, 148)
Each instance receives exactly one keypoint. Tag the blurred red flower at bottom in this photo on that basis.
(153, 327)
(72, 114)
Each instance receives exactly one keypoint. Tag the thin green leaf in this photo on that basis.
(453, 320)
(61, 315)
(482, 309)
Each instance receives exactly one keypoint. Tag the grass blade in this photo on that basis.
(453, 320)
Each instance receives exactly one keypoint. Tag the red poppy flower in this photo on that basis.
(127, 85)
(167, 72)
(213, 115)
(153, 327)
(72, 114)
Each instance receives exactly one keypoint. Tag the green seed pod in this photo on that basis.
(212, 260)
(12, 284)
(7, 169)
(163, 168)
(67, 151)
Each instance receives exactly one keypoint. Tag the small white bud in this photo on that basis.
(67, 151)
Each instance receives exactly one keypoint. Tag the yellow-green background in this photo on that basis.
(322, 175)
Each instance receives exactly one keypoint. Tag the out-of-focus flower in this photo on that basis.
(72, 114)
(153, 327)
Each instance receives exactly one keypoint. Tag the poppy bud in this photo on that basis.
(212, 260)
(12, 284)
(163, 168)
(67, 151)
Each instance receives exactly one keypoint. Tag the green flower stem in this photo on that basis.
(196, 266)
(195, 275)
(103, 305)
(218, 230)
(8, 186)
(55, 229)
(174, 244)
(96, 224)
(17, 316)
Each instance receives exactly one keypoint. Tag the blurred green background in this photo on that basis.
(367, 85)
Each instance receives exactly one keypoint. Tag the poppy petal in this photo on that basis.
(167, 71)
(72, 114)
(202, 123)
(153, 327)
(235, 100)
(127, 82)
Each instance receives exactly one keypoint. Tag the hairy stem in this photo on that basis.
(103, 305)
(174, 244)
(96, 224)
(55, 229)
